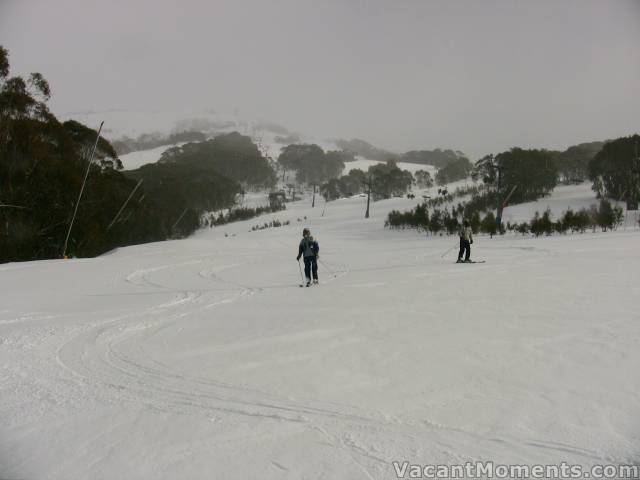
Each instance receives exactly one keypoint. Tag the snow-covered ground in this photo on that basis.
(364, 164)
(202, 358)
(133, 160)
(575, 197)
(253, 200)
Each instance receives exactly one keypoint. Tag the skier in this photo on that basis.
(310, 250)
(466, 239)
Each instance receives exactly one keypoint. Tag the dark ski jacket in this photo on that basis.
(308, 247)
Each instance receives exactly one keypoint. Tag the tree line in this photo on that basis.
(604, 216)
(231, 155)
(44, 162)
(571, 166)
(438, 158)
(615, 170)
(383, 180)
(519, 175)
(438, 221)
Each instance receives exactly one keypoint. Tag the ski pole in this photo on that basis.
(441, 256)
(301, 277)
(328, 269)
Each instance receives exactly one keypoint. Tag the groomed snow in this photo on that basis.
(202, 358)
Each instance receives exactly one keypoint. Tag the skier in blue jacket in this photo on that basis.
(310, 250)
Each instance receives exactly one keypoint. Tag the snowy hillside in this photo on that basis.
(202, 358)
(364, 164)
(123, 123)
(575, 197)
(133, 160)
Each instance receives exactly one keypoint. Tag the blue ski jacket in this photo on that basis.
(308, 247)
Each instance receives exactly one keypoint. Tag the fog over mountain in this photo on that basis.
(475, 76)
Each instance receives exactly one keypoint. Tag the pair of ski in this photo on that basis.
(473, 261)
(309, 284)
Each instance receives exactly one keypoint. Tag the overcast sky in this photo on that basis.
(479, 76)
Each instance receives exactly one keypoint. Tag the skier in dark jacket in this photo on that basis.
(310, 250)
(466, 239)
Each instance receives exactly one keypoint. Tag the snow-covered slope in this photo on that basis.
(575, 197)
(364, 164)
(202, 358)
(133, 160)
(123, 123)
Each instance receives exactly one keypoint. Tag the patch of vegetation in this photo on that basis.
(311, 164)
(438, 158)
(148, 141)
(615, 170)
(366, 150)
(238, 214)
(272, 224)
(231, 155)
(458, 169)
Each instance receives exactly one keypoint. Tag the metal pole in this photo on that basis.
(179, 218)
(506, 200)
(366, 214)
(95, 145)
(499, 206)
(124, 205)
(5, 205)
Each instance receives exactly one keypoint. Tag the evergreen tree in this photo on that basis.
(615, 170)
(458, 169)
(311, 164)
(423, 179)
(389, 180)
(608, 217)
(231, 155)
(542, 224)
(475, 222)
(489, 224)
(573, 163)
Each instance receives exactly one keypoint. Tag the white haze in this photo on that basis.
(476, 76)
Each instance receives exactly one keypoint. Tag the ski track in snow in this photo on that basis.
(115, 364)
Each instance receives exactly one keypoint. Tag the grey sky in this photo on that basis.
(480, 76)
